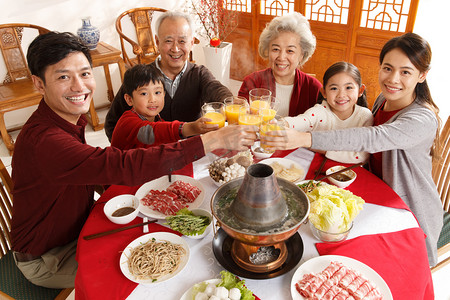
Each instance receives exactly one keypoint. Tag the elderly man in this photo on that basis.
(54, 171)
(188, 86)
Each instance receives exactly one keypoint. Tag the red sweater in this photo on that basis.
(304, 95)
(129, 130)
(54, 170)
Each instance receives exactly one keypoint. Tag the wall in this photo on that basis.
(65, 15)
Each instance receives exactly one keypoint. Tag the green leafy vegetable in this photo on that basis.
(230, 281)
(187, 223)
(332, 208)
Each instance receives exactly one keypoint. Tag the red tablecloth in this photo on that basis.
(406, 272)
(98, 264)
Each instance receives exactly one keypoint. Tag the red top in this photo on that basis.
(125, 134)
(54, 170)
(304, 95)
(375, 161)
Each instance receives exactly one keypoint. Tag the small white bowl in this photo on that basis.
(201, 212)
(257, 151)
(341, 183)
(119, 202)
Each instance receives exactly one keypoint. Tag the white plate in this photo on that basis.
(161, 184)
(167, 236)
(318, 264)
(188, 294)
(287, 163)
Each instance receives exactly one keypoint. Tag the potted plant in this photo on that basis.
(217, 20)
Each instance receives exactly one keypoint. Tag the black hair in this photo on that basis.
(418, 52)
(50, 48)
(350, 69)
(141, 75)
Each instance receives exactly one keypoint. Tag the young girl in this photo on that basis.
(339, 109)
(404, 137)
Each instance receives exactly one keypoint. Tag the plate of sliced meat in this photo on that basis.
(160, 198)
(337, 277)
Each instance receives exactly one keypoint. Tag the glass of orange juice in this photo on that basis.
(269, 111)
(214, 111)
(247, 118)
(257, 100)
(276, 125)
(232, 106)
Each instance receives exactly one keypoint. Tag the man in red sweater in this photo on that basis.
(54, 171)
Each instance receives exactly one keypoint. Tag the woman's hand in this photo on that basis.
(286, 139)
(232, 137)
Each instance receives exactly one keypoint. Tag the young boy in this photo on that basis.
(142, 127)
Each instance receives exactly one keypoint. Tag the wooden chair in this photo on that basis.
(441, 176)
(17, 90)
(13, 284)
(143, 42)
(144, 46)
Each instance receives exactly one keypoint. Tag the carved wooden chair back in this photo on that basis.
(16, 88)
(143, 42)
(441, 176)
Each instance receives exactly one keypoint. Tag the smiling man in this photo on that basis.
(54, 171)
(188, 86)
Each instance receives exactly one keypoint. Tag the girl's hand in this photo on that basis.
(286, 139)
(232, 137)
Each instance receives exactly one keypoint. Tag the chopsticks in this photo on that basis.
(100, 234)
(341, 171)
(320, 168)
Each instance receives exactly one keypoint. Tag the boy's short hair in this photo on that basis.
(50, 48)
(140, 75)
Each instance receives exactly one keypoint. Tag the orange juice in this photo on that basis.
(216, 118)
(267, 114)
(232, 113)
(266, 127)
(258, 104)
(249, 120)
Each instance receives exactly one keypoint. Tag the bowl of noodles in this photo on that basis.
(154, 258)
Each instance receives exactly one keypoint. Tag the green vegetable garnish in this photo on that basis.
(187, 223)
(229, 281)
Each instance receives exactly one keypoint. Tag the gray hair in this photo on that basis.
(293, 22)
(174, 15)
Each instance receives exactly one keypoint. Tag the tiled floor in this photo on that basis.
(440, 278)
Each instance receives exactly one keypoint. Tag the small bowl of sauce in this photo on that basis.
(341, 180)
(122, 209)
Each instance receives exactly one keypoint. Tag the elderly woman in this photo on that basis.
(287, 42)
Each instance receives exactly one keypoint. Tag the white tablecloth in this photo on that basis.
(203, 264)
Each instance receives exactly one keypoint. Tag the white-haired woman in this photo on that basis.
(287, 42)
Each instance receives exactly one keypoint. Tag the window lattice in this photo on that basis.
(276, 7)
(331, 11)
(391, 15)
(238, 5)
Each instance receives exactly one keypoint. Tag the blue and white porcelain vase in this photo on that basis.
(89, 34)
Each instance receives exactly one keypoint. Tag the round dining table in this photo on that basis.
(385, 236)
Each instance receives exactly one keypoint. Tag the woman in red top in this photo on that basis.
(287, 42)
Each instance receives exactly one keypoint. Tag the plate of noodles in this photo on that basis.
(149, 258)
(285, 168)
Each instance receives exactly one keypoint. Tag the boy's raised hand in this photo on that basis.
(198, 127)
